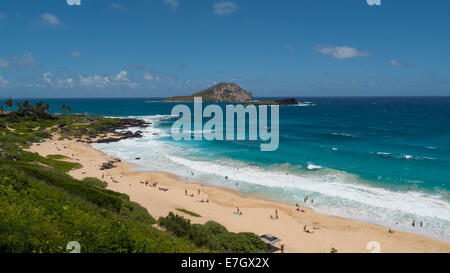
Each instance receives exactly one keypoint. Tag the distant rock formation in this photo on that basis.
(289, 101)
(222, 92)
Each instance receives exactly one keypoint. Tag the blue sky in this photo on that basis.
(157, 48)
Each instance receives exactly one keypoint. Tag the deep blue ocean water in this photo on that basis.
(383, 160)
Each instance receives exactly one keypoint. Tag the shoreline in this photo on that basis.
(325, 231)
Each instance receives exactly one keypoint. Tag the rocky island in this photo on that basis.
(289, 101)
(222, 92)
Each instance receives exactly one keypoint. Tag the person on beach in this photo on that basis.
(276, 214)
(282, 248)
(185, 193)
(413, 223)
(198, 191)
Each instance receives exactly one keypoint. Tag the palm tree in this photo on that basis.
(46, 107)
(27, 107)
(38, 109)
(9, 103)
(62, 107)
(69, 109)
(19, 106)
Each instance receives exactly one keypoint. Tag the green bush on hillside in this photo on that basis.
(213, 235)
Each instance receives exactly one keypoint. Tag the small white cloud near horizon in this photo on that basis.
(118, 6)
(341, 52)
(122, 76)
(148, 77)
(172, 3)
(50, 19)
(17, 62)
(399, 63)
(224, 8)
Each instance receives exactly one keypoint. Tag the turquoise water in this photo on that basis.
(379, 160)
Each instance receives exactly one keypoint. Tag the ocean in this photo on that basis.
(382, 160)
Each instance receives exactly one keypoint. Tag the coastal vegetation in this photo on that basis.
(212, 235)
(189, 212)
(43, 208)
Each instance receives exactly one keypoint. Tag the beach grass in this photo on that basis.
(58, 157)
(189, 212)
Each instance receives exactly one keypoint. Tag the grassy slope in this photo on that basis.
(42, 208)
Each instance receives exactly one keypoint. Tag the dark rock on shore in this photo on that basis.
(117, 136)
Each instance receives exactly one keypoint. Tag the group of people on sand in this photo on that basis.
(307, 230)
(299, 209)
(238, 211)
(153, 184)
(186, 193)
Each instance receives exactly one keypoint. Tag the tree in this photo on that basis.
(19, 107)
(1, 109)
(39, 110)
(69, 109)
(9, 103)
(62, 107)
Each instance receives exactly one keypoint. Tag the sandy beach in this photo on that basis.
(300, 231)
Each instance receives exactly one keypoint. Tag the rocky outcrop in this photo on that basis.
(222, 92)
(289, 101)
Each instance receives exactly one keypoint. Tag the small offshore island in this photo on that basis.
(229, 92)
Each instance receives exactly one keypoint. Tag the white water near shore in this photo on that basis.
(334, 192)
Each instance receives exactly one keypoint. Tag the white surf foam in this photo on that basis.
(334, 192)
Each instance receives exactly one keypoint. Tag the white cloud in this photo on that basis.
(3, 82)
(122, 76)
(224, 8)
(50, 19)
(96, 81)
(173, 3)
(25, 61)
(118, 6)
(46, 78)
(399, 63)
(149, 77)
(341, 52)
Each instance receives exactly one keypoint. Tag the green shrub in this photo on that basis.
(177, 225)
(95, 182)
(213, 235)
(215, 228)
